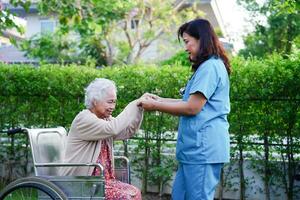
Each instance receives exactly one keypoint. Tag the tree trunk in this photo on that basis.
(290, 168)
(266, 167)
(146, 164)
(289, 37)
(125, 145)
(241, 169)
(108, 53)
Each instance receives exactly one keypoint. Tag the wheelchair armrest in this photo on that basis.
(122, 158)
(71, 165)
(124, 167)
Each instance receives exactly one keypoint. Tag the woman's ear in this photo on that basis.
(94, 103)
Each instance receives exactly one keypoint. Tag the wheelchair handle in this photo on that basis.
(15, 131)
(98, 165)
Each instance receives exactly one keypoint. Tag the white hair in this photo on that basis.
(97, 91)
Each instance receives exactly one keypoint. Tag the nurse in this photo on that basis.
(203, 138)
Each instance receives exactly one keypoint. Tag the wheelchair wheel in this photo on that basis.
(32, 188)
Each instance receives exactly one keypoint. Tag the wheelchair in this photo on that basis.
(47, 147)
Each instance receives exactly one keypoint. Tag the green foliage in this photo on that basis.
(265, 107)
(180, 59)
(265, 79)
(7, 18)
(52, 47)
(50, 89)
(280, 34)
(83, 25)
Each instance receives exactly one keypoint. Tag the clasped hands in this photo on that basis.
(148, 101)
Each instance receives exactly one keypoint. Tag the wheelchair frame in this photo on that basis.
(47, 146)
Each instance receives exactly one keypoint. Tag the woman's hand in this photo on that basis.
(152, 96)
(148, 103)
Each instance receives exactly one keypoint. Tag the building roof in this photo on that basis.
(19, 11)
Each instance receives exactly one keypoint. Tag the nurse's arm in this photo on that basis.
(161, 99)
(169, 100)
(191, 107)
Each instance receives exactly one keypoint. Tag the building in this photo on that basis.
(32, 23)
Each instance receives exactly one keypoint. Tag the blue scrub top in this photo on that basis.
(204, 138)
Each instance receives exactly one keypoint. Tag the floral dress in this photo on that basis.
(114, 189)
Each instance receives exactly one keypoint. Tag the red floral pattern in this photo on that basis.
(114, 189)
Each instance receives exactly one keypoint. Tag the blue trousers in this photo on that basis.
(196, 182)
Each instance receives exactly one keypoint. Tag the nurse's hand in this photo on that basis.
(148, 103)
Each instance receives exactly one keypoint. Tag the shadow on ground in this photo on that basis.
(155, 196)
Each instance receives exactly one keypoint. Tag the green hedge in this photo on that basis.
(51, 95)
(265, 123)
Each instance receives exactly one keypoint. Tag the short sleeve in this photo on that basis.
(205, 80)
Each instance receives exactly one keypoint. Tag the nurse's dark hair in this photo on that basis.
(210, 45)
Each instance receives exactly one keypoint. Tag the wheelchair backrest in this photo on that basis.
(47, 146)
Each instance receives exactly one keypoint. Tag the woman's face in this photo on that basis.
(191, 45)
(104, 108)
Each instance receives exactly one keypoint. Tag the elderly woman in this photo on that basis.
(92, 133)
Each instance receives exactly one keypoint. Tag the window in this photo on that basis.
(134, 23)
(47, 26)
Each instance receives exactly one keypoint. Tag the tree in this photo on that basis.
(107, 32)
(146, 23)
(53, 48)
(82, 27)
(7, 18)
(281, 34)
